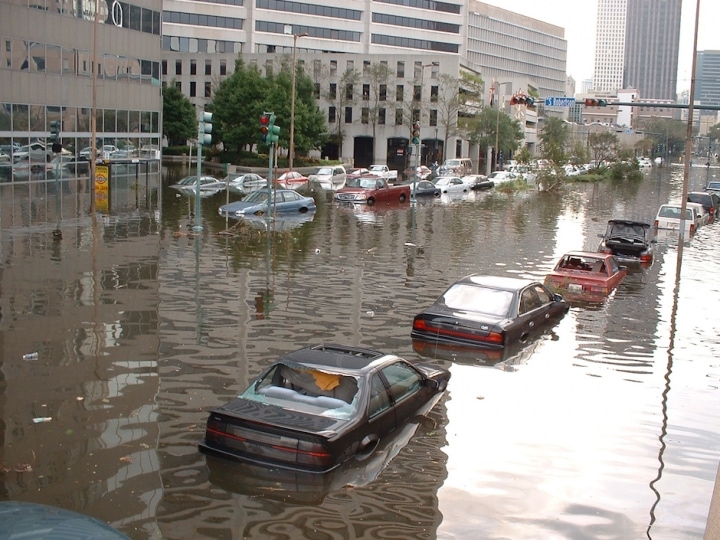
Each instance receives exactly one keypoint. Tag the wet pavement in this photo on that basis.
(606, 426)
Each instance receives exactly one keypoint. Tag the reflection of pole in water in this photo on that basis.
(198, 310)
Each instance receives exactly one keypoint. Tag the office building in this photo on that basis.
(610, 45)
(707, 80)
(60, 61)
(652, 39)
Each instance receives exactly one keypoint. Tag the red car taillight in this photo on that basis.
(656, 224)
(422, 325)
(646, 257)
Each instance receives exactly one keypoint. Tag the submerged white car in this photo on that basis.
(329, 178)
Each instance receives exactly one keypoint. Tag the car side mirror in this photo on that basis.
(557, 297)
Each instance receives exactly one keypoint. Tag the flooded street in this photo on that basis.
(605, 427)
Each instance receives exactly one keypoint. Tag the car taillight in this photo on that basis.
(646, 257)
(422, 325)
(692, 229)
(656, 224)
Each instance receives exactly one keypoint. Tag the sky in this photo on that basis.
(578, 19)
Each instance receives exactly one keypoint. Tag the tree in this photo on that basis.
(482, 130)
(239, 101)
(667, 136)
(554, 137)
(380, 79)
(603, 147)
(344, 93)
(179, 118)
(458, 103)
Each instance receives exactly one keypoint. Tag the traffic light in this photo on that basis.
(591, 102)
(264, 126)
(55, 131)
(416, 133)
(273, 131)
(522, 99)
(205, 129)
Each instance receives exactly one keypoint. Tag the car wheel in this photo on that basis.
(371, 201)
(303, 210)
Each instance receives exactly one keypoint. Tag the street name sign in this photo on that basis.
(559, 101)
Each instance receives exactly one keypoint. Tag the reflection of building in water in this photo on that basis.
(89, 308)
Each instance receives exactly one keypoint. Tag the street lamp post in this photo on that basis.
(291, 155)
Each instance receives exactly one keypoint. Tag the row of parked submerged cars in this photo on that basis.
(324, 405)
(319, 407)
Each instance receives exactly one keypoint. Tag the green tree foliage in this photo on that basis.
(179, 117)
(244, 96)
(667, 136)
(603, 147)
(554, 138)
(239, 101)
(714, 132)
(483, 127)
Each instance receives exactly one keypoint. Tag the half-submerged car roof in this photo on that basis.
(337, 356)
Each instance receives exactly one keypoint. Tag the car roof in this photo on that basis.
(627, 222)
(497, 282)
(335, 356)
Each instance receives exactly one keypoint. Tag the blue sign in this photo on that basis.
(559, 101)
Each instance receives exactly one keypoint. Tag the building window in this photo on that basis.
(349, 92)
(383, 92)
(348, 115)
(399, 93)
(458, 148)
(178, 85)
(400, 70)
(178, 67)
(365, 115)
(433, 117)
(316, 92)
(433, 94)
(381, 117)
(333, 91)
(164, 67)
(193, 67)
(398, 117)
(208, 89)
(333, 67)
(223, 67)
(208, 67)
(317, 68)
(366, 67)
(332, 115)
(366, 92)
(350, 66)
(417, 93)
(193, 91)
(416, 115)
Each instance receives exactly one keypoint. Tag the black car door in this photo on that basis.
(536, 309)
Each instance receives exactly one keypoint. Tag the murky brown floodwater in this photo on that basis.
(606, 427)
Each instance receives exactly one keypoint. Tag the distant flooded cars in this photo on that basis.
(489, 311)
(320, 406)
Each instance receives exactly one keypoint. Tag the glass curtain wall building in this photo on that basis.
(60, 61)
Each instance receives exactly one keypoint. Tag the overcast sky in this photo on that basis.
(579, 18)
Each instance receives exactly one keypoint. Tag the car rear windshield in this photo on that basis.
(467, 297)
(311, 391)
(625, 229)
(673, 212)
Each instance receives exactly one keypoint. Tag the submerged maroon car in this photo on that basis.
(320, 406)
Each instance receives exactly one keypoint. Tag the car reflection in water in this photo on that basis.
(307, 488)
(280, 223)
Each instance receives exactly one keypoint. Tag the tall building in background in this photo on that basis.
(652, 41)
(707, 79)
(610, 45)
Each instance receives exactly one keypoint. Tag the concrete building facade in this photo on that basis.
(60, 61)
(610, 45)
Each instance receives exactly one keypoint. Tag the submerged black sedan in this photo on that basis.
(320, 406)
(489, 311)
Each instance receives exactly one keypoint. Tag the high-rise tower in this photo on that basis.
(652, 40)
(610, 45)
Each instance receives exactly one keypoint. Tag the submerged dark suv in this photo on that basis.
(710, 201)
(629, 241)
